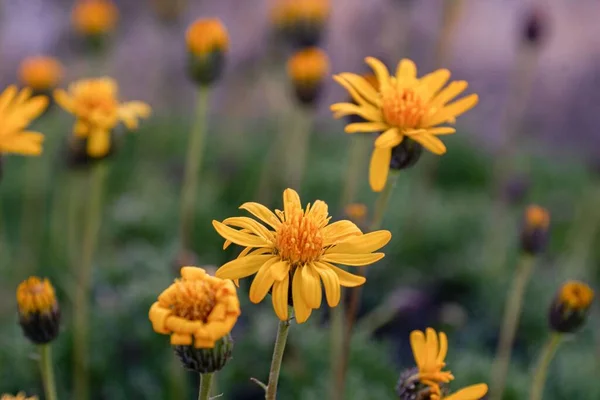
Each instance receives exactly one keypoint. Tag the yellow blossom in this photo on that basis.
(197, 309)
(19, 396)
(95, 17)
(41, 73)
(403, 106)
(17, 110)
(96, 107)
(295, 249)
(205, 36)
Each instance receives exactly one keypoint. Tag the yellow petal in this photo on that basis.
(356, 96)
(417, 343)
(280, 270)
(262, 282)
(431, 339)
(367, 112)
(448, 93)
(443, 351)
(366, 127)
(339, 230)
(346, 278)
(362, 244)
(280, 298)
(452, 110)
(442, 130)
(63, 99)
(406, 71)
(98, 143)
(379, 168)
(388, 139)
(431, 83)
(431, 143)
(240, 238)
(242, 267)
(25, 143)
(319, 212)
(291, 202)
(330, 282)
(311, 286)
(193, 273)
(250, 225)
(364, 88)
(356, 260)
(473, 392)
(380, 70)
(301, 310)
(158, 316)
(263, 213)
(7, 97)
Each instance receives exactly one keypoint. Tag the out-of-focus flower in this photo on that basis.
(403, 107)
(306, 69)
(534, 231)
(39, 313)
(94, 18)
(41, 73)
(302, 22)
(570, 307)
(96, 107)
(19, 396)
(198, 311)
(207, 42)
(298, 251)
(357, 212)
(17, 110)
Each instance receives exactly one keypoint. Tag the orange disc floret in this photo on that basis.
(41, 73)
(197, 309)
(95, 17)
(207, 35)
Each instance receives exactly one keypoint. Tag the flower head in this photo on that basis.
(402, 107)
(17, 110)
(39, 314)
(41, 73)
(207, 41)
(306, 69)
(94, 17)
(294, 250)
(570, 307)
(534, 232)
(96, 107)
(197, 310)
(19, 396)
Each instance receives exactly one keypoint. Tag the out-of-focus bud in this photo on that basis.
(41, 73)
(39, 313)
(534, 230)
(95, 20)
(301, 22)
(570, 307)
(372, 80)
(207, 42)
(535, 26)
(307, 69)
(406, 154)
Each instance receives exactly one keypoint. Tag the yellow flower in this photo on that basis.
(473, 392)
(95, 17)
(197, 309)
(206, 36)
(17, 110)
(575, 295)
(35, 295)
(296, 247)
(95, 105)
(41, 73)
(403, 106)
(19, 396)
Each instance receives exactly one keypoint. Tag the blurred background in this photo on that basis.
(455, 220)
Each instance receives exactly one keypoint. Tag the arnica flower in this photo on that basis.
(306, 69)
(403, 107)
(17, 110)
(39, 313)
(198, 311)
(207, 42)
(534, 230)
(570, 307)
(41, 73)
(94, 18)
(19, 396)
(301, 22)
(293, 250)
(96, 107)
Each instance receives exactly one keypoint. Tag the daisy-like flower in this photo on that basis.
(17, 110)
(402, 107)
(294, 250)
(95, 105)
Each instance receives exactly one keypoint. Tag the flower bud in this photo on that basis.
(42, 74)
(207, 42)
(534, 230)
(205, 361)
(406, 154)
(301, 22)
(94, 20)
(570, 307)
(39, 313)
(307, 69)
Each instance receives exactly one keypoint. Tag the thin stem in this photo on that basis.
(355, 294)
(47, 372)
(192, 168)
(280, 341)
(337, 340)
(84, 270)
(205, 386)
(510, 323)
(539, 378)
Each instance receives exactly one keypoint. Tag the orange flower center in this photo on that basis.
(35, 296)
(402, 108)
(576, 295)
(299, 239)
(191, 300)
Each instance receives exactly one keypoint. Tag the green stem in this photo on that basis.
(356, 161)
(84, 277)
(539, 378)
(192, 168)
(336, 339)
(47, 372)
(510, 323)
(280, 341)
(205, 385)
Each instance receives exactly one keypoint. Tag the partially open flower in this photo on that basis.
(306, 69)
(39, 313)
(207, 42)
(570, 307)
(94, 20)
(97, 109)
(41, 73)
(19, 396)
(534, 230)
(198, 311)
(301, 22)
